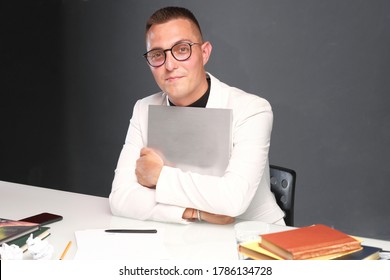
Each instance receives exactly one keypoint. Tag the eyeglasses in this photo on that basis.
(180, 51)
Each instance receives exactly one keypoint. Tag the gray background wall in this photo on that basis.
(72, 70)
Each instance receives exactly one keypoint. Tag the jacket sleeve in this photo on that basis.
(128, 198)
(232, 193)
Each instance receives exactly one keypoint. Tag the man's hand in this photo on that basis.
(216, 219)
(191, 214)
(148, 167)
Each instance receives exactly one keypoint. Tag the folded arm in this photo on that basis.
(232, 193)
(171, 196)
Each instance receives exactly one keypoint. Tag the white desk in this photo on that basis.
(197, 241)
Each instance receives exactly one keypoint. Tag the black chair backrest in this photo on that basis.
(283, 187)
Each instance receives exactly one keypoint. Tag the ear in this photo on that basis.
(206, 51)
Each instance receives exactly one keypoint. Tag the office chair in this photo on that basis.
(283, 187)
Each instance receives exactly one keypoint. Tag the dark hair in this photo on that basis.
(166, 14)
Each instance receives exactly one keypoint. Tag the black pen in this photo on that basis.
(131, 230)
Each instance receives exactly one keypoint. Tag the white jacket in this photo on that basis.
(244, 189)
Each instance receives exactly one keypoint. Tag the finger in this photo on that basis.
(144, 151)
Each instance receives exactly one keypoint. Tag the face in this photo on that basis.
(183, 81)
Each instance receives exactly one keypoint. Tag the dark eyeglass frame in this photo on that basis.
(190, 44)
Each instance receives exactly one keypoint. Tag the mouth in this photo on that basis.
(173, 78)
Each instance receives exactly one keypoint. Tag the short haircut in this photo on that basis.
(166, 14)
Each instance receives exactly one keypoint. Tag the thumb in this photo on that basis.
(145, 151)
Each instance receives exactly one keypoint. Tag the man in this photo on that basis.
(144, 187)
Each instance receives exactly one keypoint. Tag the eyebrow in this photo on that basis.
(177, 42)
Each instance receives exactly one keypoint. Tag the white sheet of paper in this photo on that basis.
(96, 244)
(192, 139)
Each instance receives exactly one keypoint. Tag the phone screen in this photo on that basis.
(43, 218)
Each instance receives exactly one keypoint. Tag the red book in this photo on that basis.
(308, 242)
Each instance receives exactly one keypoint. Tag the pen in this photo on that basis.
(66, 250)
(131, 230)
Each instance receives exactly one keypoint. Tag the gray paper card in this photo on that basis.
(192, 139)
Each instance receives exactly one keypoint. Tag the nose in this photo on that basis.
(170, 62)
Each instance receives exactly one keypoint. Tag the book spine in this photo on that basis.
(325, 251)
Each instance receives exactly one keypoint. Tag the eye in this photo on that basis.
(156, 55)
(184, 48)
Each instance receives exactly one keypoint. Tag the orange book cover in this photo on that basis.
(308, 242)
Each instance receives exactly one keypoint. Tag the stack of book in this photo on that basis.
(316, 242)
(17, 232)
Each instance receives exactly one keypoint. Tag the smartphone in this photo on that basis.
(43, 218)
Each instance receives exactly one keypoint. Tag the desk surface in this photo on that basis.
(196, 241)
